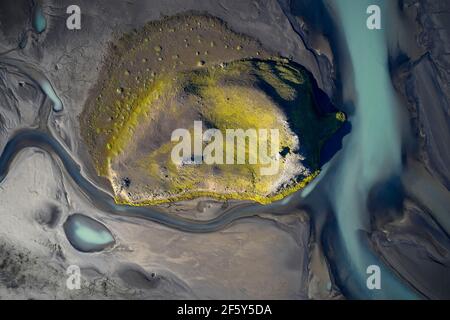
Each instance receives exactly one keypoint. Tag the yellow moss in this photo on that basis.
(140, 109)
(230, 98)
(247, 196)
(340, 116)
(128, 113)
(268, 74)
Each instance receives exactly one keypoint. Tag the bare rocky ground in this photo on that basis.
(426, 84)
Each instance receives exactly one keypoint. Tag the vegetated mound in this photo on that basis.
(225, 81)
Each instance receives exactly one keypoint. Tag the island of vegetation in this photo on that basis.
(191, 69)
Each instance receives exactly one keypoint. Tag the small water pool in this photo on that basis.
(86, 234)
(39, 21)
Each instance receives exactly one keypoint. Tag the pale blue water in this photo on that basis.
(89, 235)
(371, 152)
(50, 92)
(86, 234)
(39, 21)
